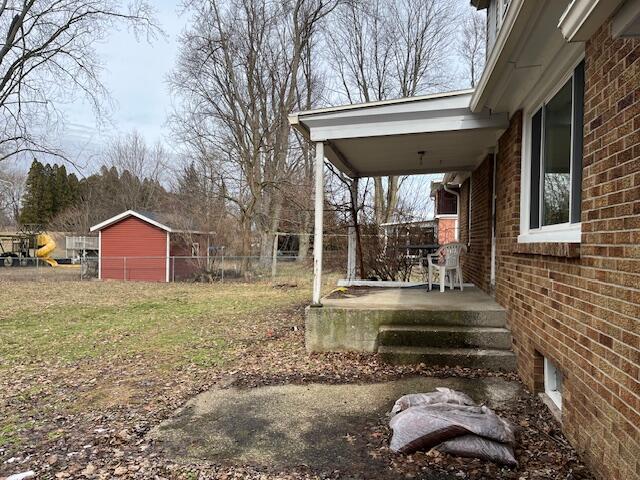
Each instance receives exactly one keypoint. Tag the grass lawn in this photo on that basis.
(173, 324)
(82, 347)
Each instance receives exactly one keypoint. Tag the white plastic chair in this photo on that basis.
(448, 266)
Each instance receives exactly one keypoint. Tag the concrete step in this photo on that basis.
(444, 336)
(491, 359)
(476, 318)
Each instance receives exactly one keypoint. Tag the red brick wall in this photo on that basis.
(476, 264)
(446, 230)
(580, 305)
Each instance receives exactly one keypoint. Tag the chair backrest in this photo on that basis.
(451, 253)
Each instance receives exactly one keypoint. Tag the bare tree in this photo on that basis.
(391, 49)
(237, 78)
(47, 54)
(12, 185)
(472, 45)
(139, 167)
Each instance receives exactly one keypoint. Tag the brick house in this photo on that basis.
(545, 152)
(446, 202)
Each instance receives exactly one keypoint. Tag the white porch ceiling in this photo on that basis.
(385, 138)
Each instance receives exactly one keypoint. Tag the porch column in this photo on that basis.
(318, 227)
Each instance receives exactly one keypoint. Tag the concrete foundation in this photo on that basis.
(353, 323)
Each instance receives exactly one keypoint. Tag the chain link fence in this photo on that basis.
(394, 250)
(282, 269)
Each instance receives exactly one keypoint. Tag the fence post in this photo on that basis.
(222, 265)
(274, 260)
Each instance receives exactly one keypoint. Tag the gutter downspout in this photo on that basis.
(457, 231)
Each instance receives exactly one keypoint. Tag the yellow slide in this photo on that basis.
(46, 245)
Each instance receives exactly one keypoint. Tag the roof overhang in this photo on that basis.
(129, 213)
(538, 41)
(387, 138)
(582, 18)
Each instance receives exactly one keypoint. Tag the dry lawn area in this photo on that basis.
(87, 369)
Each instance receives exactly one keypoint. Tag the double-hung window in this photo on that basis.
(554, 166)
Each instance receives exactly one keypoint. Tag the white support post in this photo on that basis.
(351, 254)
(318, 227)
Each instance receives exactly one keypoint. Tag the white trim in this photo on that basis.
(99, 255)
(469, 212)
(294, 118)
(318, 224)
(492, 277)
(626, 23)
(129, 213)
(551, 387)
(503, 44)
(167, 259)
(582, 18)
(566, 232)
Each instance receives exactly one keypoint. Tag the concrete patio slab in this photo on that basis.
(415, 298)
(323, 427)
(351, 321)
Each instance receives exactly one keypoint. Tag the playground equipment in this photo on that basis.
(46, 245)
(26, 247)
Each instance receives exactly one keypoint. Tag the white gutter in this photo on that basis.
(446, 189)
(582, 18)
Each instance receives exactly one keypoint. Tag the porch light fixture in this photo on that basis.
(421, 157)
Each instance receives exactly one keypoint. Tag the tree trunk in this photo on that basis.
(385, 202)
(353, 206)
(304, 240)
(245, 261)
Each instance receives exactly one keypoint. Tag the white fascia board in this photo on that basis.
(582, 18)
(129, 213)
(518, 12)
(400, 103)
(168, 256)
(407, 124)
(626, 23)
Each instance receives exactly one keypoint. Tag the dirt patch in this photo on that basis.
(328, 428)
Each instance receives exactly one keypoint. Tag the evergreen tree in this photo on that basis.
(33, 200)
(49, 191)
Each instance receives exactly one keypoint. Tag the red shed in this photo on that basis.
(134, 246)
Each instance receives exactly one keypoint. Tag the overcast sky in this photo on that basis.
(134, 72)
(135, 75)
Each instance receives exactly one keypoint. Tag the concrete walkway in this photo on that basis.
(323, 427)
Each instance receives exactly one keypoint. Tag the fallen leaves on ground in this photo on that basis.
(89, 418)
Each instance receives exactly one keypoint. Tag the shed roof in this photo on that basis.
(131, 213)
(151, 218)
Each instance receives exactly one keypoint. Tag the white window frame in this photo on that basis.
(563, 232)
(551, 383)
